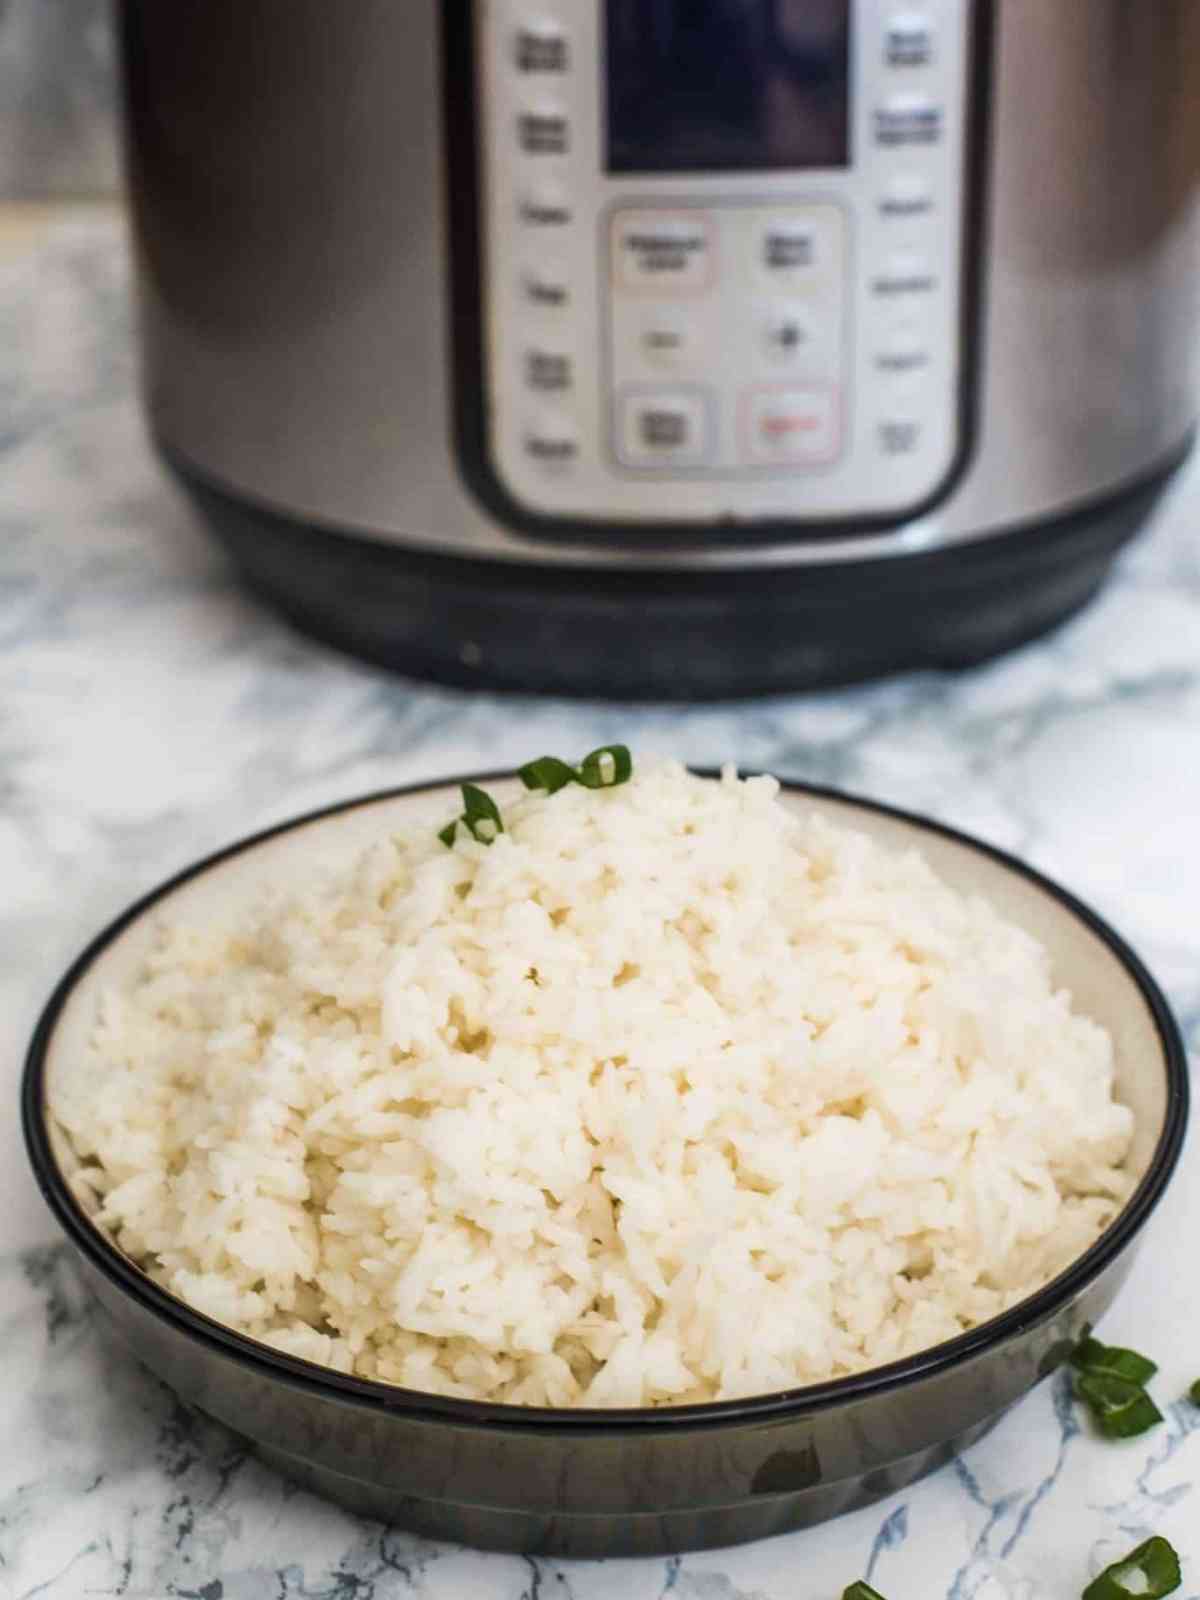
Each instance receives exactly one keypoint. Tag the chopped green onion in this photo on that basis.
(1147, 1573)
(480, 817)
(601, 769)
(861, 1591)
(1194, 1393)
(548, 773)
(605, 768)
(1092, 1356)
(1120, 1409)
(480, 814)
(1111, 1381)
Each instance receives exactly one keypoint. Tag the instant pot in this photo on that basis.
(668, 347)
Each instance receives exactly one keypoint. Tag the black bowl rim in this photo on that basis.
(788, 1404)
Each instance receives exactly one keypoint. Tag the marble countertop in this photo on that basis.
(150, 712)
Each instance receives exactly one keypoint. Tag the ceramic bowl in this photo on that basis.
(582, 1483)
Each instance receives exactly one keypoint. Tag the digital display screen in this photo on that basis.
(727, 85)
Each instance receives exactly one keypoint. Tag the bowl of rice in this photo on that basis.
(615, 1167)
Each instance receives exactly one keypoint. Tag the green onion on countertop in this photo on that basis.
(1147, 1573)
(604, 768)
(1112, 1384)
(1092, 1356)
(1120, 1410)
(480, 817)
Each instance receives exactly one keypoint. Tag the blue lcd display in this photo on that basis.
(727, 85)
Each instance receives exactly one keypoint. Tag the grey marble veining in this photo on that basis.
(149, 711)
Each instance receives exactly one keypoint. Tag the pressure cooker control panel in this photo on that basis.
(722, 255)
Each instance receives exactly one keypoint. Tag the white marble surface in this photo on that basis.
(58, 98)
(150, 712)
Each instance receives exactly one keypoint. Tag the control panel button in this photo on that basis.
(908, 40)
(546, 284)
(543, 131)
(541, 47)
(548, 371)
(662, 251)
(662, 427)
(552, 442)
(907, 195)
(790, 246)
(547, 206)
(908, 119)
(903, 354)
(665, 338)
(899, 436)
(903, 275)
(794, 426)
(789, 333)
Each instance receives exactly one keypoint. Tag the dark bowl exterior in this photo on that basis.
(593, 1483)
(606, 1490)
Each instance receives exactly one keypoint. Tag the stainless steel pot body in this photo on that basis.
(289, 177)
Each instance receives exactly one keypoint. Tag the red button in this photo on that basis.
(794, 425)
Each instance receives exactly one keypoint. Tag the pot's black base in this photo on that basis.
(685, 634)
(575, 1536)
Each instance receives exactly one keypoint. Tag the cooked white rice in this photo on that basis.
(670, 1094)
